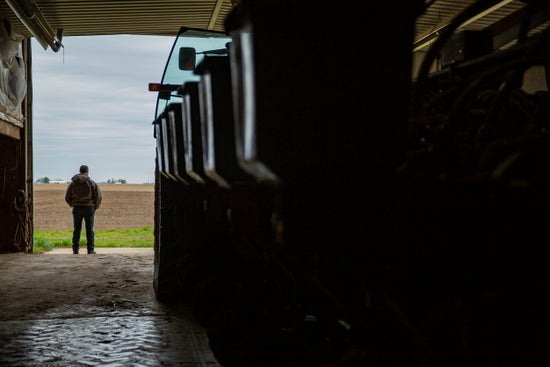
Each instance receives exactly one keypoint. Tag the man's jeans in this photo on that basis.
(85, 213)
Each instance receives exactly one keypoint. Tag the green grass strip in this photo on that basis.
(134, 237)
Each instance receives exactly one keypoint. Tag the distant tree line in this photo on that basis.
(49, 180)
(118, 180)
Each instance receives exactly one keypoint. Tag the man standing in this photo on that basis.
(84, 196)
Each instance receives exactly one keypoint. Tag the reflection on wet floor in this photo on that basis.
(105, 341)
(67, 310)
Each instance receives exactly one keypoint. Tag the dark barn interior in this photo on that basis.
(365, 186)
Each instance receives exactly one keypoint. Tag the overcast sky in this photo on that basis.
(92, 106)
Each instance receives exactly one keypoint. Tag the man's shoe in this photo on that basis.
(91, 252)
(75, 252)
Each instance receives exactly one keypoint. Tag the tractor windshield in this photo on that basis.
(202, 42)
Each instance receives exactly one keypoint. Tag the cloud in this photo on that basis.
(91, 105)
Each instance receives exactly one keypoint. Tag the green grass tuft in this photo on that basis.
(133, 237)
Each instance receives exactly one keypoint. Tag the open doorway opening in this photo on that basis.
(91, 106)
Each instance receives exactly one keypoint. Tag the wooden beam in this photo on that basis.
(506, 30)
(215, 14)
(9, 129)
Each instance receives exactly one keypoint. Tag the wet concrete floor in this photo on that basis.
(60, 309)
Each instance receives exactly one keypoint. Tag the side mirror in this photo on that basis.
(187, 58)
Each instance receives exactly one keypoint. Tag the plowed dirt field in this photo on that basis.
(124, 206)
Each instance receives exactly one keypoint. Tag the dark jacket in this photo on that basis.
(83, 191)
